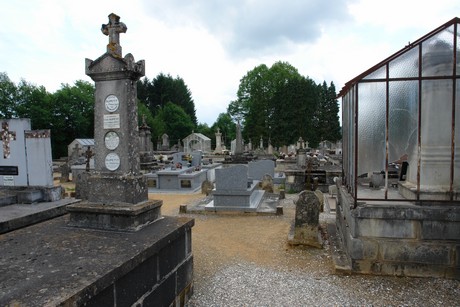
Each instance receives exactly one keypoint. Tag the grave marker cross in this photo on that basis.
(113, 30)
(88, 154)
(7, 136)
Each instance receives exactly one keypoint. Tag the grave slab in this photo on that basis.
(21, 215)
(51, 264)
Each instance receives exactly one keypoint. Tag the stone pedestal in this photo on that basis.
(115, 193)
(114, 216)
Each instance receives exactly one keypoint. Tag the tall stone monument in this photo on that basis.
(239, 140)
(218, 142)
(115, 193)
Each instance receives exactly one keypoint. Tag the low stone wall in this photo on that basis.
(400, 239)
(82, 267)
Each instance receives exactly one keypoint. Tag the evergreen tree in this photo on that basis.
(163, 89)
(328, 125)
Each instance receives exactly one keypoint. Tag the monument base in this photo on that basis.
(409, 191)
(114, 216)
(101, 187)
(308, 235)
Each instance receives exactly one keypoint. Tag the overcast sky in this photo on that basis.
(212, 44)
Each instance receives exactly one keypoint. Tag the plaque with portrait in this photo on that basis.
(112, 161)
(111, 140)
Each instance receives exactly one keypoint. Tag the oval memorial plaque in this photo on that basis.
(111, 103)
(112, 161)
(111, 140)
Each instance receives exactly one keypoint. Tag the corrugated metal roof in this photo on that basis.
(85, 142)
(199, 135)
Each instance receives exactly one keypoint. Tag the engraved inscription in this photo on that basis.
(111, 121)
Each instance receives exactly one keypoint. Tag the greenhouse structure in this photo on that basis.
(399, 198)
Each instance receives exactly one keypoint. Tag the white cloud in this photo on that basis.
(212, 44)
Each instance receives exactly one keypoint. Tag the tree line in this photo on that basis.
(280, 105)
(275, 103)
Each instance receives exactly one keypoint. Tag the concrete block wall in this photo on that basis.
(163, 279)
(400, 239)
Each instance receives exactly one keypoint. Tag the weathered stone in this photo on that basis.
(305, 229)
(206, 187)
(267, 183)
(320, 196)
(116, 182)
(110, 268)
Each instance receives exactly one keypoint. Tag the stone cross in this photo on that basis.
(7, 136)
(113, 30)
(88, 155)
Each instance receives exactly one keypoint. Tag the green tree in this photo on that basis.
(256, 104)
(328, 125)
(163, 89)
(294, 110)
(34, 102)
(173, 121)
(72, 115)
(143, 113)
(7, 97)
(226, 126)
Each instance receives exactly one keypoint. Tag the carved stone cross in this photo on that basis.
(7, 136)
(113, 30)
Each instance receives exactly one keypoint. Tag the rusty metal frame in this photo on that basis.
(353, 130)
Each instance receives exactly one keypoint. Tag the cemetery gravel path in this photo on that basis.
(246, 261)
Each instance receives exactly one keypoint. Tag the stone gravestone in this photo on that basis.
(267, 183)
(257, 169)
(26, 166)
(219, 148)
(115, 193)
(305, 229)
(26, 159)
(206, 187)
(235, 191)
(165, 142)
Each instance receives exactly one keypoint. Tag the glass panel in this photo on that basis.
(371, 139)
(457, 141)
(436, 135)
(406, 65)
(403, 125)
(458, 50)
(348, 139)
(380, 73)
(345, 139)
(438, 55)
(353, 136)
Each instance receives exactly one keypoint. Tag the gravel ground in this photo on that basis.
(246, 261)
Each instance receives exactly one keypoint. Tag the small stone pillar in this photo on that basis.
(305, 229)
(270, 147)
(218, 142)
(301, 158)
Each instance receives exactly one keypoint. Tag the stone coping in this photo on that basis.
(51, 264)
(177, 172)
(115, 208)
(16, 216)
